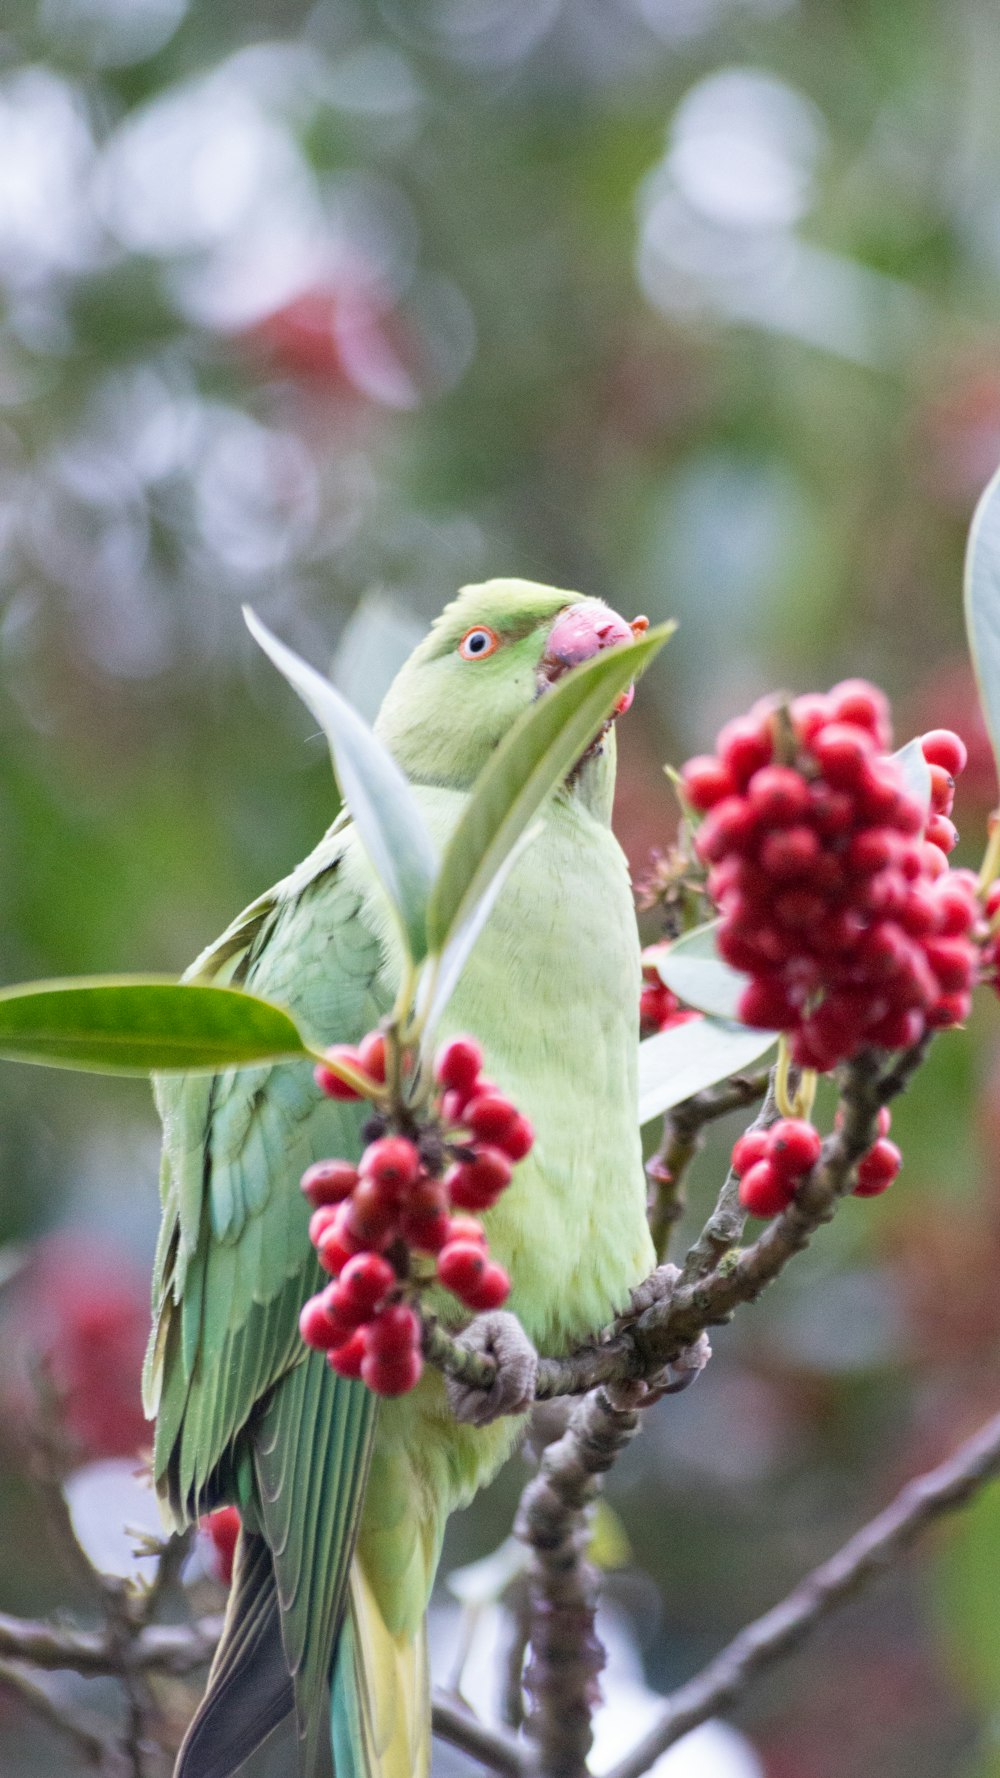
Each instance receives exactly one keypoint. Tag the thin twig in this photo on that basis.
(177, 1649)
(496, 1749)
(867, 1553)
(683, 1135)
(78, 1726)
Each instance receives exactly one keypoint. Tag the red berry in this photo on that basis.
(488, 1116)
(831, 810)
(791, 852)
(942, 832)
(763, 1191)
(392, 1376)
(363, 1282)
(920, 913)
(460, 1265)
(793, 1147)
(705, 782)
(393, 1331)
(942, 747)
(391, 1163)
(331, 1083)
(877, 1169)
(953, 962)
(743, 746)
(897, 1030)
(863, 704)
(871, 849)
(942, 791)
(466, 1228)
(799, 908)
(956, 909)
(476, 1184)
(338, 1243)
(319, 1328)
(492, 1290)
(372, 1215)
(993, 900)
(842, 752)
(329, 1182)
(453, 1103)
(458, 1064)
(949, 1009)
(934, 860)
(347, 1359)
(765, 1004)
(425, 1222)
(748, 1150)
(519, 1138)
(371, 1055)
(321, 1220)
(810, 713)
(778, 796)
(726, 828)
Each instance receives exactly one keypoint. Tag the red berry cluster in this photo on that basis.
(832, 883)
(770, 1164)
(991, 947)
(659, 1009)
(400, 1199)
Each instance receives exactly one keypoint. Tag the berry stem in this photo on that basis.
(805, 1095)
(783, 1091)
(990, 867)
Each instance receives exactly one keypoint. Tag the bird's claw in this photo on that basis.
(512, 1391)
(681, 1372)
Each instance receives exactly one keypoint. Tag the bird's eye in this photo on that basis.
(478, 643)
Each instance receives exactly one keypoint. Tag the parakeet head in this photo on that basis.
(491, 652)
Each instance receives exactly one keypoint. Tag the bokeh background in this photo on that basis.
(334, 307)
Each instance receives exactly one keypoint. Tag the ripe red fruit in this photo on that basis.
(329, 1182)
(942, 747)
(942, 832)
(322, 1329)
(371, 1055)
(790, 852)
(331, 1083)
(488, 1116)
(793, 1147)
(949, 1009)
(743, 746)
(832, 811)
(321, 1220)
(223, 1528)
(491, 1291)
(942, 790)
(338, 1243)
(477, 1184)
(460, 1265)
(458, 1064)
(726, 828)
(871, 849)
(394, 1331)
(425, 1223)
(466, 1228)
(877, 1169)
(778, 796)
(363, 1282)
(763, 1192)
(748, 1150)
(842, 752)
(518, 1139)
(865, 705)
(765, 1004)
(347, 1359)
(897, 1030)
(810, 712)
(392, 1376)
(371, 1215)
(953, 961)
(705, 781)
(993, 900)
(392, 1163)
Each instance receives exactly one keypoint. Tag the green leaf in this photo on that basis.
(982, 604)
(916, 771)
(693, 970)
(532, 760)
(687, 1058)
(142, 1025)
(376, 791)
(458, 949)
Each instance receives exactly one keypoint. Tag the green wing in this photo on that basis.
(243, 1413)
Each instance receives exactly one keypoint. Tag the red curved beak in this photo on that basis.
(580, 632)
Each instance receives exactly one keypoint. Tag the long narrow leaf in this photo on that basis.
(530, 762)
(141, 1025)
(375, 790)
(464, 934)
(687, 1058)
(982, 604)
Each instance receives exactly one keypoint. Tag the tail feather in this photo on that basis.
(249, 1688)
(380, 1710)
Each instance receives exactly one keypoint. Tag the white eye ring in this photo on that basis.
(478, 642)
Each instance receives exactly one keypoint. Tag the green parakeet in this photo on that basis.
(344, 1497)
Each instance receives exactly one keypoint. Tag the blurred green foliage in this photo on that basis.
(691, 303)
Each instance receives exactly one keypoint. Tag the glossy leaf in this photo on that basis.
(693, 970)
(687, 1058)
(141, 1025)
(982, 604)
(376, 791)
(458, 949)
(532, 760)
(916, 771)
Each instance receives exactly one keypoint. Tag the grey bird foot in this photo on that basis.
(512, 1391)
(681, 1372)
